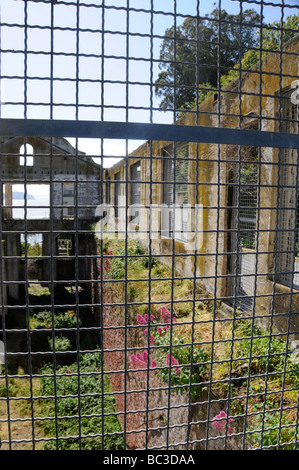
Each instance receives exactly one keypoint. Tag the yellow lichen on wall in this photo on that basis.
(250, 102)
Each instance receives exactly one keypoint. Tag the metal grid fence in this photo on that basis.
(147, 305)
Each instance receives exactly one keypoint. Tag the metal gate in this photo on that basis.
(116, 332)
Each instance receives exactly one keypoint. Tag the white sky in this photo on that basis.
(90, 42)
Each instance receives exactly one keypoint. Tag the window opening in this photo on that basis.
(26, 155)
(37, 201)
(68, 200)
(175, 189)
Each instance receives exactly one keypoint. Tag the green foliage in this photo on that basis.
(271, 421)
(268, 354)
(66, 320)
(205, 90)
(62, 343)
(159, 270)
(277, 428)
(175, 368)
(271, 39)
(250, 58)
(182, 353)
(64, 340)
(187, 52)
(133, 248)
(13, 387)
(67, 389)
(256, 361)
(32, 249)
(145, 262)
(61, 320)
(206, 54)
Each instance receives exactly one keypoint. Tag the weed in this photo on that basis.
(67, 388)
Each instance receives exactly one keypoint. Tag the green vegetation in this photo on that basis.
(271, 39)
(67, 387)
(32, 249)
(184, 376)
(188, 51)
(264, 380)
(84, 418)
(253, 371)
(65, 324)
(59, 389)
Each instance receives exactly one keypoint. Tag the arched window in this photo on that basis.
(26, 155)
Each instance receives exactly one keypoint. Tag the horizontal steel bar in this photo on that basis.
(138, 131)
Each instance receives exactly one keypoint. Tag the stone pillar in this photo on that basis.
(3, 299)
(7, 212)
(14, 267)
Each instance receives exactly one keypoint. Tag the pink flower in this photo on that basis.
(174, 362)
(220, 422)
(144, 320)
(140, 361)
(166, 316)
(141, 320)
(152, 339)
(106, 264)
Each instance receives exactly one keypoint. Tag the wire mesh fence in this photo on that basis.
(149, 225)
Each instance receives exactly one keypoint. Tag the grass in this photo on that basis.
(67, 405)
(19, 409)
(38, 290)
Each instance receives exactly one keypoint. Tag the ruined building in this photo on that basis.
(254, 267)
(49, 195)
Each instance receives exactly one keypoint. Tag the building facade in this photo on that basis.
(243, 201)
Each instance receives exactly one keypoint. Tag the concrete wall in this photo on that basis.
(3, 291)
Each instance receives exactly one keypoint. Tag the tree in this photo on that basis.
(190, 55)
(271, 39)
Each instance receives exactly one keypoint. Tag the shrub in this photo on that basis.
(183, 366)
